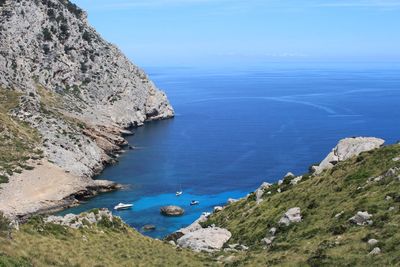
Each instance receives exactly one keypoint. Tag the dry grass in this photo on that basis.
(100, 246)
(321, 239)
(18, 140)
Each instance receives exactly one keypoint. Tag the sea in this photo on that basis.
(239, 126)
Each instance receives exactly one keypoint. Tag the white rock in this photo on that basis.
(339, 214)
(296, 180)
(375, 251)
(361, 218)
(231, 200)
(272, 231)
(218, 209)
(205, 239)
(346, 149)
(268, 240)
(293, 215)
(372, 242)
(260, 191)
(289, 174)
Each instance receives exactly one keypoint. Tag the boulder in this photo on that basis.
(296, 180)
(361, 218)
(149, 227)
(218, 209)
(268, 240)
(206, 239)
(288, 175)
(372, 242)
(293, 215)
(232, 200)
(260, 191)
(272, 231)
(346, 149)
(172, 211)
(375, 251)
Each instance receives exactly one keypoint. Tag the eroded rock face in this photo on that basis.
(346, 149)
(172, 211)
(205, 239)
(77, 89)
(293, 215)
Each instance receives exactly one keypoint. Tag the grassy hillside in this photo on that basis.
(18, 140)
(321, 238)
(39, 244)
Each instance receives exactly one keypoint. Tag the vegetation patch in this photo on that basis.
(325, 236)
(18, 140)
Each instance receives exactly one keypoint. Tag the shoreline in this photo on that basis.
(49, 188)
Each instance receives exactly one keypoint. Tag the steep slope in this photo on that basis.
(330, 233)
(76, 89)
(104, 243)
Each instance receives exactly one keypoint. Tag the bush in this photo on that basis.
(87, 36)
(74, 9)
(4, 225)
(47, 36)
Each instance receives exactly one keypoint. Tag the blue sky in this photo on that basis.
(194, 32)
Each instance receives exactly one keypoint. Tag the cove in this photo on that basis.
(238, 127)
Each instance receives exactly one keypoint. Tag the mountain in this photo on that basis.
(75, 88)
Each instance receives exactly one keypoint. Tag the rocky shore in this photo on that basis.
(78, 93)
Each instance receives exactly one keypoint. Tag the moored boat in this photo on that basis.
(122, 206)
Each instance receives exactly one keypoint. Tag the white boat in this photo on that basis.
(194, 202)
(122, 206)
(178, 193)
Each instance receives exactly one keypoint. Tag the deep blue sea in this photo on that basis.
(238, 127)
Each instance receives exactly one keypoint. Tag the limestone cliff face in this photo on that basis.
(78, 90)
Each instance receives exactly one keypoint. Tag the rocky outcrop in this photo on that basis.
(260, 191)
(82, 220)
(293, 215)
(346, 149)
(361, 218)
(172, 211)
(77, 89)
(205, 239)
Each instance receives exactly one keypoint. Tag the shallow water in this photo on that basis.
(236, 128)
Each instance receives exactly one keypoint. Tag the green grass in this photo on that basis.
(321, 239)
(40, 244)
(18, 140)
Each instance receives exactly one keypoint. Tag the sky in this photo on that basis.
(201, 32)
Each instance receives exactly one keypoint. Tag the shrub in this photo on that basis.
(4, 225)
(47, 36)
(87, 36)
(74, 9)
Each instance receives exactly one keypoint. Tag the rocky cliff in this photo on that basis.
(76, 89)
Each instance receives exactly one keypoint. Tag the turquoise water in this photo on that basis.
(235, 128)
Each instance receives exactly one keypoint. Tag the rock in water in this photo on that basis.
(205, 239)
(172, 211)
(346, 149)
(149, 227)
(293, 215)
